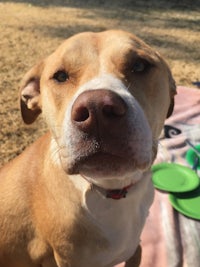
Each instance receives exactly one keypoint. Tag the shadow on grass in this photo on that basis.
(126, 4)
(63, 32)
(135, 13)
(178, 50)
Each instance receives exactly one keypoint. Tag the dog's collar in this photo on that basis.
(118, 193)
(113, 193)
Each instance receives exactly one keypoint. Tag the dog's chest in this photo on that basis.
(113, 226)
(119, 222)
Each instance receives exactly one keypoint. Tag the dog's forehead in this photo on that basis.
(109, 43)
(87, 54)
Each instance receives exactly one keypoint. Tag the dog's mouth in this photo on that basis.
(101, 160)
(105, 157)
(103, 164)
(96, 161)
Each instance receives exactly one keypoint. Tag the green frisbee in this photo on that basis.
(187, 203)
(191, 156)
(173, 177)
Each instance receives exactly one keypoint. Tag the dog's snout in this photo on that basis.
(97, 107)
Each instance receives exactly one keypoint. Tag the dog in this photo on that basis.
(80, 194)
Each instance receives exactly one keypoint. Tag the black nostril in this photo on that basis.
(80, 114)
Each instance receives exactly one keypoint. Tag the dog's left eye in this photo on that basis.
(140, 66)
(61, 76)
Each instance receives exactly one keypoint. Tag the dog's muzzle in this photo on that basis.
(108, 134)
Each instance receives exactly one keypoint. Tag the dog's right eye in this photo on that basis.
(61, 76)
(141, 66)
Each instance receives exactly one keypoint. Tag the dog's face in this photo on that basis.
(105, 97)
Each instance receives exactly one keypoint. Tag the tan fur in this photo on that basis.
(43, 221)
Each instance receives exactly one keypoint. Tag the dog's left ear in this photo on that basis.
(30, 94)
(172, 88)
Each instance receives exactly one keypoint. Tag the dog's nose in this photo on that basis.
(97, 109)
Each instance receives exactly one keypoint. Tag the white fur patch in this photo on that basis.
(120, 221)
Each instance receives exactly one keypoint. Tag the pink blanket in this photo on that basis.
(169, 238)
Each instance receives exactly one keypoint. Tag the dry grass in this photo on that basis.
(30, 30)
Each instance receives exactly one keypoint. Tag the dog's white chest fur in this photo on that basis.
(120, 222)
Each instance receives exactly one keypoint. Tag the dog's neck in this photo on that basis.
(116, 193)
(111, 192)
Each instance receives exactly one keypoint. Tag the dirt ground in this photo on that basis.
(30, 30)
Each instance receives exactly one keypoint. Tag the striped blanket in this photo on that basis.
(169, 238)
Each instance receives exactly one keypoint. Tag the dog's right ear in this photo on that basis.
(173, 92)
(30, 103)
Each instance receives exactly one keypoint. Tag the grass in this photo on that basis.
(30, 30)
